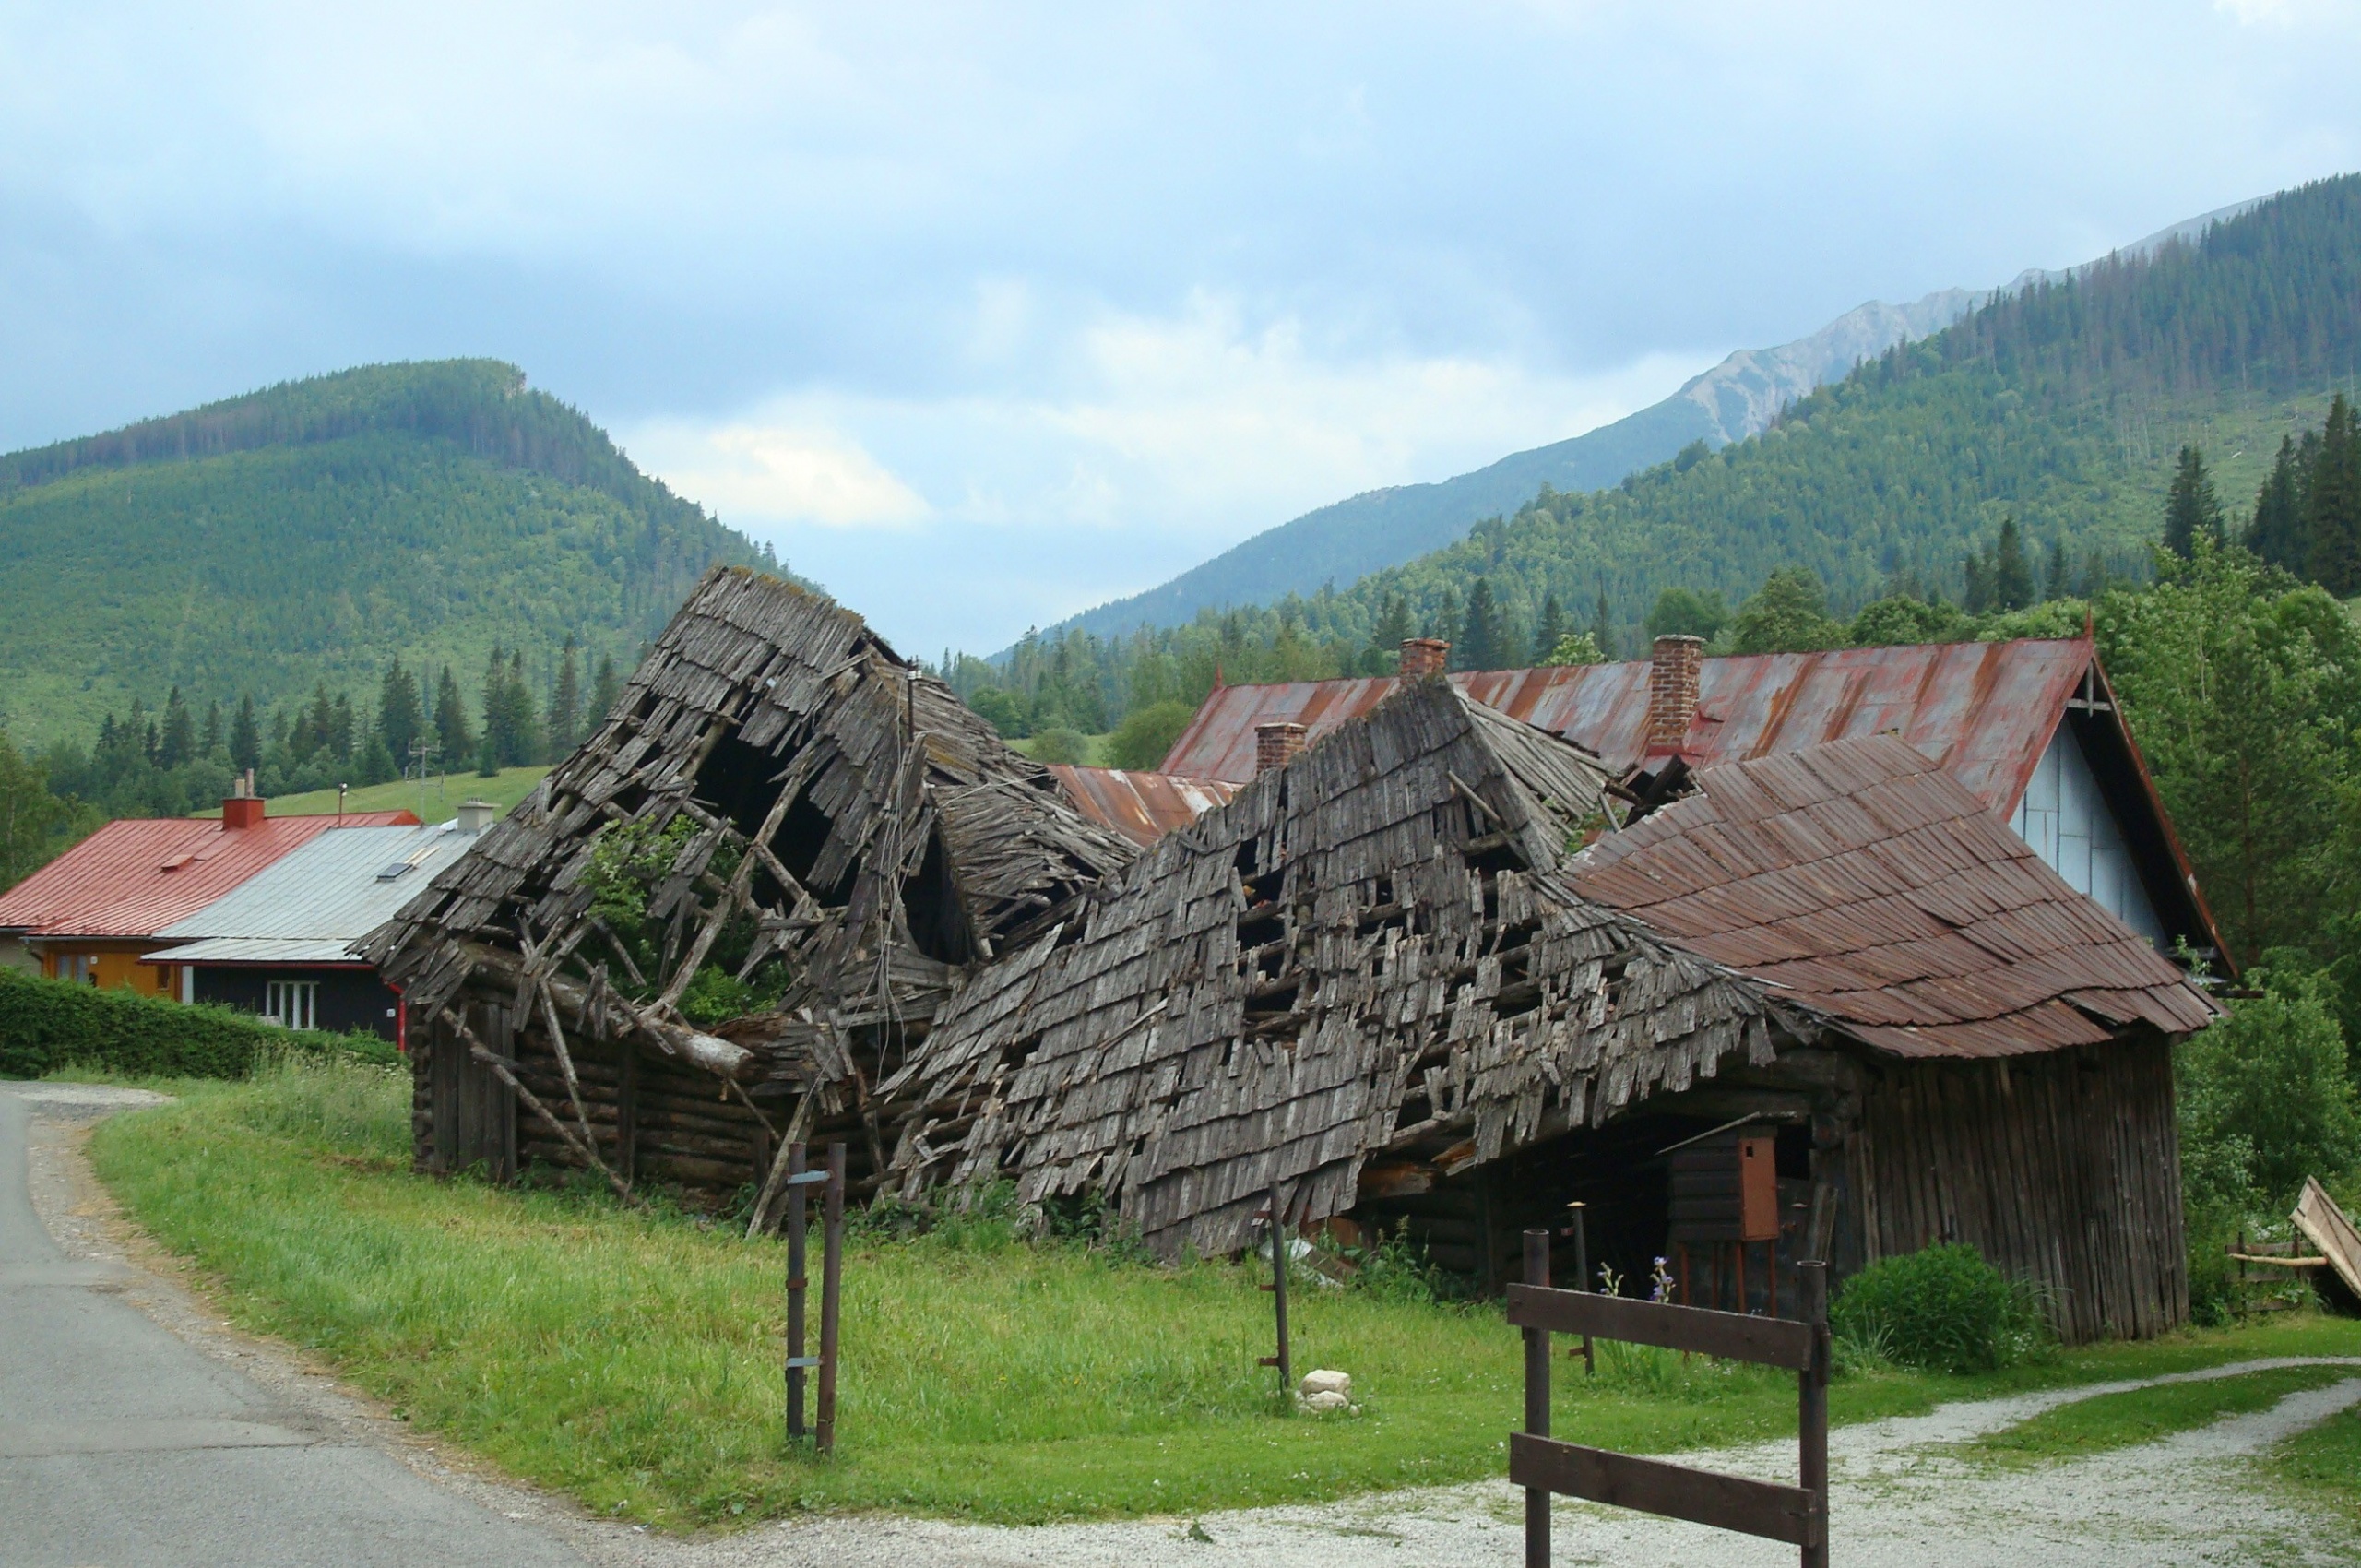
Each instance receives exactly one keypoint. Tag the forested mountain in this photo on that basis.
(1738, 398)
(315, 530)
(2062, 405)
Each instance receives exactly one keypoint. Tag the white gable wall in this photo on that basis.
(2066, 820)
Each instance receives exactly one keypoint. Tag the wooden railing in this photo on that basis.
(1543, 1466)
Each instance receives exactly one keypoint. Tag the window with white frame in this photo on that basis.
(294, 1003)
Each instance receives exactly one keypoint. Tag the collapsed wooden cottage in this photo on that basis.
(1381, 979)
(712, 927)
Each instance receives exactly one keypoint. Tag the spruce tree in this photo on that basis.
(527, 742)
(2190, 506)
(2060, 583)
(605, 688)
(2011, 573)
(176, 743)
(1550, 629)
(399, 716)
(1394, 627)
(209, 740)
(565, 704)
(456, 740)
(245, 736)
(1602, 631)
(2332, 504)
(342, 728)
(2276, 534)
(1478, 645)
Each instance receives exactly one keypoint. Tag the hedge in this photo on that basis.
(47, 1024)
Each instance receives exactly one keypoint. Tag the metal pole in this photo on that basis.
(1279, 1295)
(832, 1261)
(1582, 1278)
(795, 1289)
(1811, 1406)
(1537, 1402)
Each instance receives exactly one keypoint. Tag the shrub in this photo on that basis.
(2265, 1097)
(1146, 734)
(1060, 745)
(46, 1024)
(1944, 1309)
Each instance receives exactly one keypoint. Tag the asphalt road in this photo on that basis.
(122, 1445)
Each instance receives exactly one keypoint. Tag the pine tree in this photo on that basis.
(452, 735)
(245, 736)
(2011, 573)
(2061, 582)
(2332, 504)
(1481, 635)
(1551, 628)
(177, 740)
(399, 716)
(1602, 629)
(604, 689)
(527, 742)
(2276, 534)
(2190, 508)
(340, 729)
(565, 704)
(209, 741)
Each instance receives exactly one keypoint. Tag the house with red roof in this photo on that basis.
(95, 914)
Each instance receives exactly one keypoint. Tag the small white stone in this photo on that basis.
(1325, 1382)
(1325, 1400)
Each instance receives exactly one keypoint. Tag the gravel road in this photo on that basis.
(1903, 1497)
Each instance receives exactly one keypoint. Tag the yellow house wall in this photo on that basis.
(111, 967)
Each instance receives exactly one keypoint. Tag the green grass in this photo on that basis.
(1094, 752)
(631, 1359)
(439, 802)
(2323, 1466)
(2143, 1415)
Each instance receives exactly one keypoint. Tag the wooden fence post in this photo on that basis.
(1536, 1402)
(1582, 1277)
(1811, 1408)
(832, 1244)
(1285, 1359)
(797, 1362)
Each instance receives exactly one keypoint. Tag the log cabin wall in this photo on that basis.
(2061, 1168)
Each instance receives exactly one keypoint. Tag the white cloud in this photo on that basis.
(760, 473)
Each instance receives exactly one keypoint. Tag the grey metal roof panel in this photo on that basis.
(278, 950)
(328, 890)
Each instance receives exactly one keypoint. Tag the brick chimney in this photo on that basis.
(241, 807)
(1673, 669)
(1275, 746)
(1424, 656)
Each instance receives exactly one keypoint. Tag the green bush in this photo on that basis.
(2266, 1099)
(46, 1024)
(1061, 746)
(1146, 734)
(1944, 1309)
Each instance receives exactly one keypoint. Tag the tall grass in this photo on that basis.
(633, 1359)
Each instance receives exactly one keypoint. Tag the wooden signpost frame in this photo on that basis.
(831, 1180)
(1796, 1514)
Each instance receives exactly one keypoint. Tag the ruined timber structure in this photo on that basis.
(1425, 973)
(792, 795)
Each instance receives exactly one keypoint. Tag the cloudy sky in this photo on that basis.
(983, 315)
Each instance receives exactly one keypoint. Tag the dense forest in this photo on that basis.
(2060, 409)
(311, 532)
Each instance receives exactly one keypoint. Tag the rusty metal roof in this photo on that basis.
(1985, 711)
(1143, 807)
(133, 877)
(1865, 882)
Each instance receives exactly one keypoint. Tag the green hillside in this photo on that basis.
(2062, 405)
(317, 530)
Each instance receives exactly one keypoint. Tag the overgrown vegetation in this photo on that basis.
(1942, 1309)
(997, 1366)
(627, 864)
(46, 1025)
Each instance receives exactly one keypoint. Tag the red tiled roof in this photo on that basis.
(1984, 710)
(1143, 807)
(1868, 883)
(133, 877)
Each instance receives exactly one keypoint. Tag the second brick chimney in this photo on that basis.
(1674, 666)
(241, 807)
(1424, 656)
(1275, 746)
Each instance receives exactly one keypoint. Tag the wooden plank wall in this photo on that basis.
(462, 1115)
(2063, 1168)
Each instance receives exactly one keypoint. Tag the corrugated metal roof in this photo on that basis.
(319, 900)
(1143, 807)
(1866, 881)
(133, 877)
(1984, 710)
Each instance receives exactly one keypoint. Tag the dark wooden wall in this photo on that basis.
(461, 1115)
(2062, 1168)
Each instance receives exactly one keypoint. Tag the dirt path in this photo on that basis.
(1901, 1494)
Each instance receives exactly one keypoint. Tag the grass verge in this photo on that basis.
(631, 1358)
(2143, 1415)
(2324, 1467)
